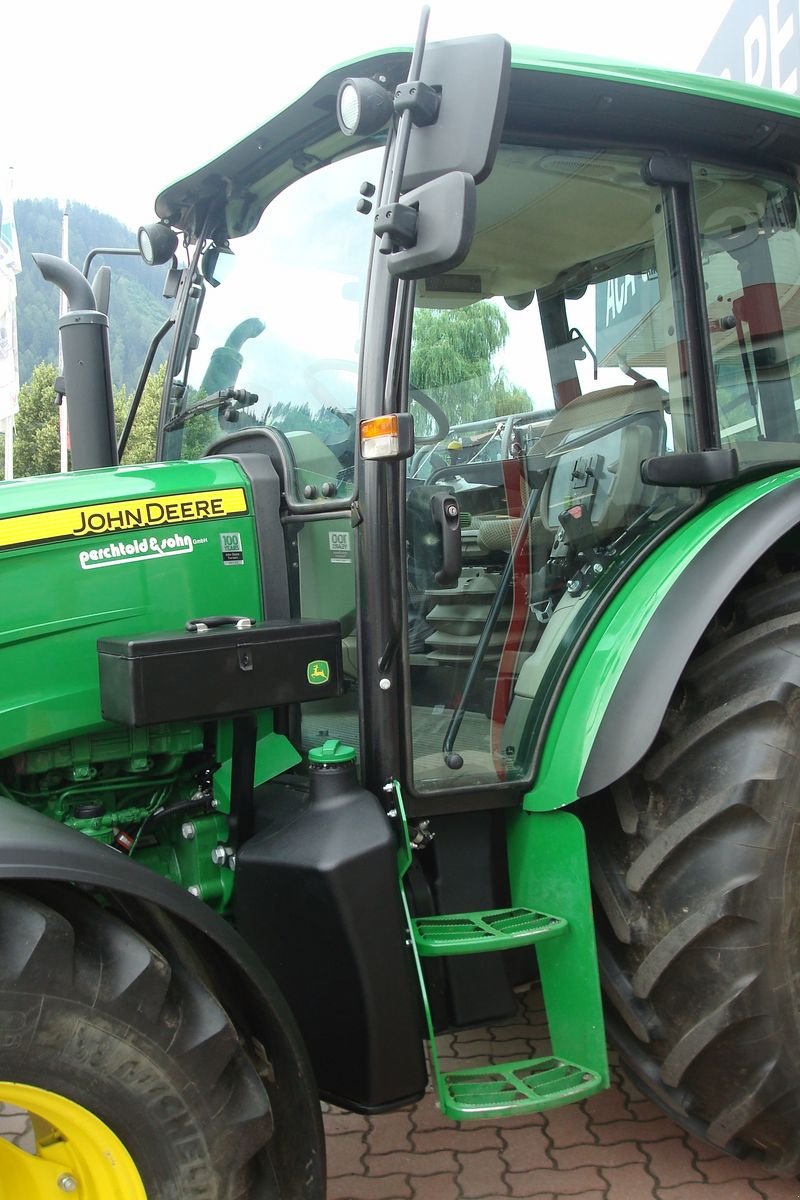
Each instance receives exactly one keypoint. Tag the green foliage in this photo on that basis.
(36, 441)
(141, 446)
(136, 309)
(452, 353)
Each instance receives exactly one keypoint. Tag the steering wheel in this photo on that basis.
(325, 397)
(440, 418)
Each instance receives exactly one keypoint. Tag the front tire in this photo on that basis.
(698, 873)
(100, 1020)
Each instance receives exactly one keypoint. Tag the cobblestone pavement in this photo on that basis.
(614, 1146)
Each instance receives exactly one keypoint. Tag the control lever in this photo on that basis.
(447, 516)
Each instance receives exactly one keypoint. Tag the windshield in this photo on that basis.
(284, 324)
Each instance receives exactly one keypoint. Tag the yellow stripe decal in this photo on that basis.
(120, 516)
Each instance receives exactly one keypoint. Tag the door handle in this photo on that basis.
(447, 517)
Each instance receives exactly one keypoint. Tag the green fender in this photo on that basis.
(617, 693)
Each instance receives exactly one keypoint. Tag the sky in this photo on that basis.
(108, 102)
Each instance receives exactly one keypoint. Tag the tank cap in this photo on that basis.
(331, 753)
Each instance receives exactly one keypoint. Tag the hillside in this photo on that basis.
(137, 309)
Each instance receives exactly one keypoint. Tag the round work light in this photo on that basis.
(363, 106)
(157, 243)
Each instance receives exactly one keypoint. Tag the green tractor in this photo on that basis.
(466, 586)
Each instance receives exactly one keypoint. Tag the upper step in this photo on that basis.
(481, 932)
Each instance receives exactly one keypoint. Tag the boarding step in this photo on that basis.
(481, 932)
(513, 1089)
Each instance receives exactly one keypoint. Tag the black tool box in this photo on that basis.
(218, 667)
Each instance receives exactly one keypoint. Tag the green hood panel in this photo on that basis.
(102, 553)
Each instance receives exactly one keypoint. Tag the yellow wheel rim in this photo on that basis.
(76, 1154)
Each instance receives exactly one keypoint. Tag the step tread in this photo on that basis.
(515, 1088)
(476, 932)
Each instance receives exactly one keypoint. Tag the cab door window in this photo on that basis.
(557, 354)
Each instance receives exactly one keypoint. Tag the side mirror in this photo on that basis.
(445, 225)
(215, 264)
(457, 108)
(473, 77)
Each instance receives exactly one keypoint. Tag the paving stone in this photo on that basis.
(437, 1163)
(569, 1126)
(393, 1132)
(560, 1183)
(738, 1189)
(344, 1122)
(346, 1154)
(481, 1175)
(481, 1051)
(460, 1137)
(437, 1187)
(357, 1187)
(629, 1181)
(608, 1105)
(672, 1162)
(653, 1130)
(527, 1149)
(426, 1115)
(569, 1157)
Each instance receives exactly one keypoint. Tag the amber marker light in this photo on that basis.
(389, 437)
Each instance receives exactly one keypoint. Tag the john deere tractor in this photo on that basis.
(466, 584)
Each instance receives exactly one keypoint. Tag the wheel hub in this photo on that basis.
(74, 1154)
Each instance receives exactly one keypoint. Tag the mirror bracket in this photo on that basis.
(420, 100)
(399, 222)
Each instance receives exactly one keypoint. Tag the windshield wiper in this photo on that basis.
(232, 400)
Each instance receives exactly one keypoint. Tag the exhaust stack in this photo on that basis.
(87, 367)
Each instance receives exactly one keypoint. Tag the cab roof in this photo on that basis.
(554, 98)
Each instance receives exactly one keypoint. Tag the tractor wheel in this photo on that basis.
(135, 1080)
(697, 870)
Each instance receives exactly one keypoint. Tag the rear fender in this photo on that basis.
(619, 688)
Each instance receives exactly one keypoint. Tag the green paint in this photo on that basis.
(332, 753)
(56, 605)
(595, 675)
(274, 755)
(483, 932)
(548, 870)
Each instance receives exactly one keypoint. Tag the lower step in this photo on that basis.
(512, 1089)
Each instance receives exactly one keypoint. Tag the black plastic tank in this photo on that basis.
(318, 898)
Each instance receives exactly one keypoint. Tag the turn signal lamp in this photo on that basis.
(390, 437)
(363, 106)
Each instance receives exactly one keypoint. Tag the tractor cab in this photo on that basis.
(616, 338)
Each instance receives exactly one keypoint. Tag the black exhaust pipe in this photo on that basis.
(87, 367)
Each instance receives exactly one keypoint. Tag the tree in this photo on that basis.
(141, 447)
(452, 353)
(36, 439)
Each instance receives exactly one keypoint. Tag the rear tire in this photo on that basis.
(92, 1012)
(698, 873)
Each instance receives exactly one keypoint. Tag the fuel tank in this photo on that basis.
(111, 553)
